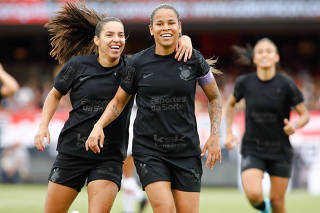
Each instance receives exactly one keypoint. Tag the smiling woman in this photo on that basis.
(165, 27)
(90, 46)
(92, 81)
(110, 41)
(269, 97)
(166, 146)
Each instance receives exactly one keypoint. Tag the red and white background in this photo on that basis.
(19, 127)
(39, 11)
(213, 25)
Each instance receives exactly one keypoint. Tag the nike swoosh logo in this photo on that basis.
(147, 75)
(84, 78)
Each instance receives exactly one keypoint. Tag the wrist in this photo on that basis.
(98, 125)
(214, 137)
(295, 126)
(43, 126)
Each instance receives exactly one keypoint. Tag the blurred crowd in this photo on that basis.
(307, 83)
(32, 94)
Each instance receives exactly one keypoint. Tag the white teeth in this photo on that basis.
(115, 47)
(166, 35)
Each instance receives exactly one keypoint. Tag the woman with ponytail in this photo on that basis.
(269, 97)
(90, 46)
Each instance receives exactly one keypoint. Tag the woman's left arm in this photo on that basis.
(304, 117)
(214, 108)
(184, 48)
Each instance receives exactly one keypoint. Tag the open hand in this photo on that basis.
(214, 151)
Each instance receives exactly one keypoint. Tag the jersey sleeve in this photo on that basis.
(64, 80)
(203, 66)
(238, 91)
(128, 78)
(294, 94)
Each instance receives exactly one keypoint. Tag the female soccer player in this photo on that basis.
(166, 147)
(92, 81)
(9, 172)
(269, 97)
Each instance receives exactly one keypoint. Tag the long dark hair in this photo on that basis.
(73, 29)
(245, 54)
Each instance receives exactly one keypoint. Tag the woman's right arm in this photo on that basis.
(112, 111)
(9, 84)
(230, 111)
(49, 108)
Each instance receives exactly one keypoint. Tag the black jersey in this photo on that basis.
(91, 88)
(268, 103)
(165, 90)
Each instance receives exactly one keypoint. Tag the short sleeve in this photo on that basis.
(204, 67)
(64, 80)
(128, 78)
(238, 91)
(294, 94)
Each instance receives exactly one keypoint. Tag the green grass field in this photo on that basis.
(30, 199)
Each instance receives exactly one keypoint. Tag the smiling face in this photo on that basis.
(165, 28)
(111, 40)
(265, 54)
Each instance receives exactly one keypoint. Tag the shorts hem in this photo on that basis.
(144, 185)
(62, 184)
(187, 189)
(114, 181)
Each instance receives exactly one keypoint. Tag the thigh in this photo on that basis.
(59, 198)
(128, 167)
(279, 187)
(186, 202)
(101, 195)
(252, 182)
(151, 169)
(160, 197)
(252, 171)
(186, 173)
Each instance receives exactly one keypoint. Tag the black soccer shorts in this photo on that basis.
(74, 172)
(183, 173)
(280, 168)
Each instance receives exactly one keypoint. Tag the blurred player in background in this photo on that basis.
(166, 146)
(265, 146)
(132, 192)
(92, 80)
(10, 158)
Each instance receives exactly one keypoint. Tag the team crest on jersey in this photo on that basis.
(185, 72)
